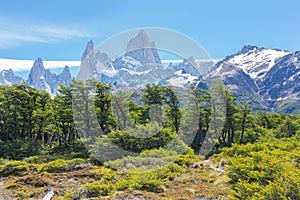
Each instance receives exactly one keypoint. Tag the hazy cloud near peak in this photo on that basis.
(21, 65)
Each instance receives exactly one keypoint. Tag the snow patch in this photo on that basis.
(135, 72)
(130, 62)
(295, 59)
(181, 79)
(256, 63)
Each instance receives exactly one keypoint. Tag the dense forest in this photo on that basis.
(257, 153)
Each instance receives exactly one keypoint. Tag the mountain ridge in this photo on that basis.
(270, 78)
(274, 76)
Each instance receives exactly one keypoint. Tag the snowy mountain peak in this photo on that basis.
(256, 62)
(270, 77)
(43, 79)
(8, 77)
(248, 48)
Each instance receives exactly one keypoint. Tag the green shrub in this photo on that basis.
(13, 168)
(11, 186)
(186, 159)
(76, 150)
(2, 161)
(152, 159)
(20, 149)
(158, 153)
(137, 139)
(97, 188)
(150, 181)
(69, 195)
(61, 165)
(36, 159)
(22, 194)
(267, 170)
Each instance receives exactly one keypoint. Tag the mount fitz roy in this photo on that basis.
(140, 65)
(269, 78)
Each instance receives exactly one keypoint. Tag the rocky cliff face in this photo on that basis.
(8, 77)
(65, 76)
(42, 79)
(89, 48)
(93, 62)
(141, 49)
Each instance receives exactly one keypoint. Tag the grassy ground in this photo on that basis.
(203, 179)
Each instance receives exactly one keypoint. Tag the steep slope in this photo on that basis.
(93, 63)
(269, 77)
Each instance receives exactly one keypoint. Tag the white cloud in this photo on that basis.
(21, 65)
(14, 33)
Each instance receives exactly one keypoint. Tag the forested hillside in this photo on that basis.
(42, 148)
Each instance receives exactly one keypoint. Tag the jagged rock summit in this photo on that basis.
(8, 77)
(141, 49)
(43, 79)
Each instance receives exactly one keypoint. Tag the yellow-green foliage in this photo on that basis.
(11, 186)
(68, 195)
(13, 167)
(266, 170)
(61, 165)
(22, 194)
(186, 159)
(101, 171)
(150, 181)
(98, 188)
(152, 159)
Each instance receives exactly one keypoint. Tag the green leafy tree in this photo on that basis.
(173, 108)
(64, 114)
(103, 107)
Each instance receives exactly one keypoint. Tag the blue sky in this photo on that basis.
(60, 29)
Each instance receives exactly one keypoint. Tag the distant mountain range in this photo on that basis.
(37, 75)
(270, 78)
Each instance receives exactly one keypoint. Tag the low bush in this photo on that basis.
(61, 165)
(13, 168)
(150, 181)
(97, 188)
(267, 170)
